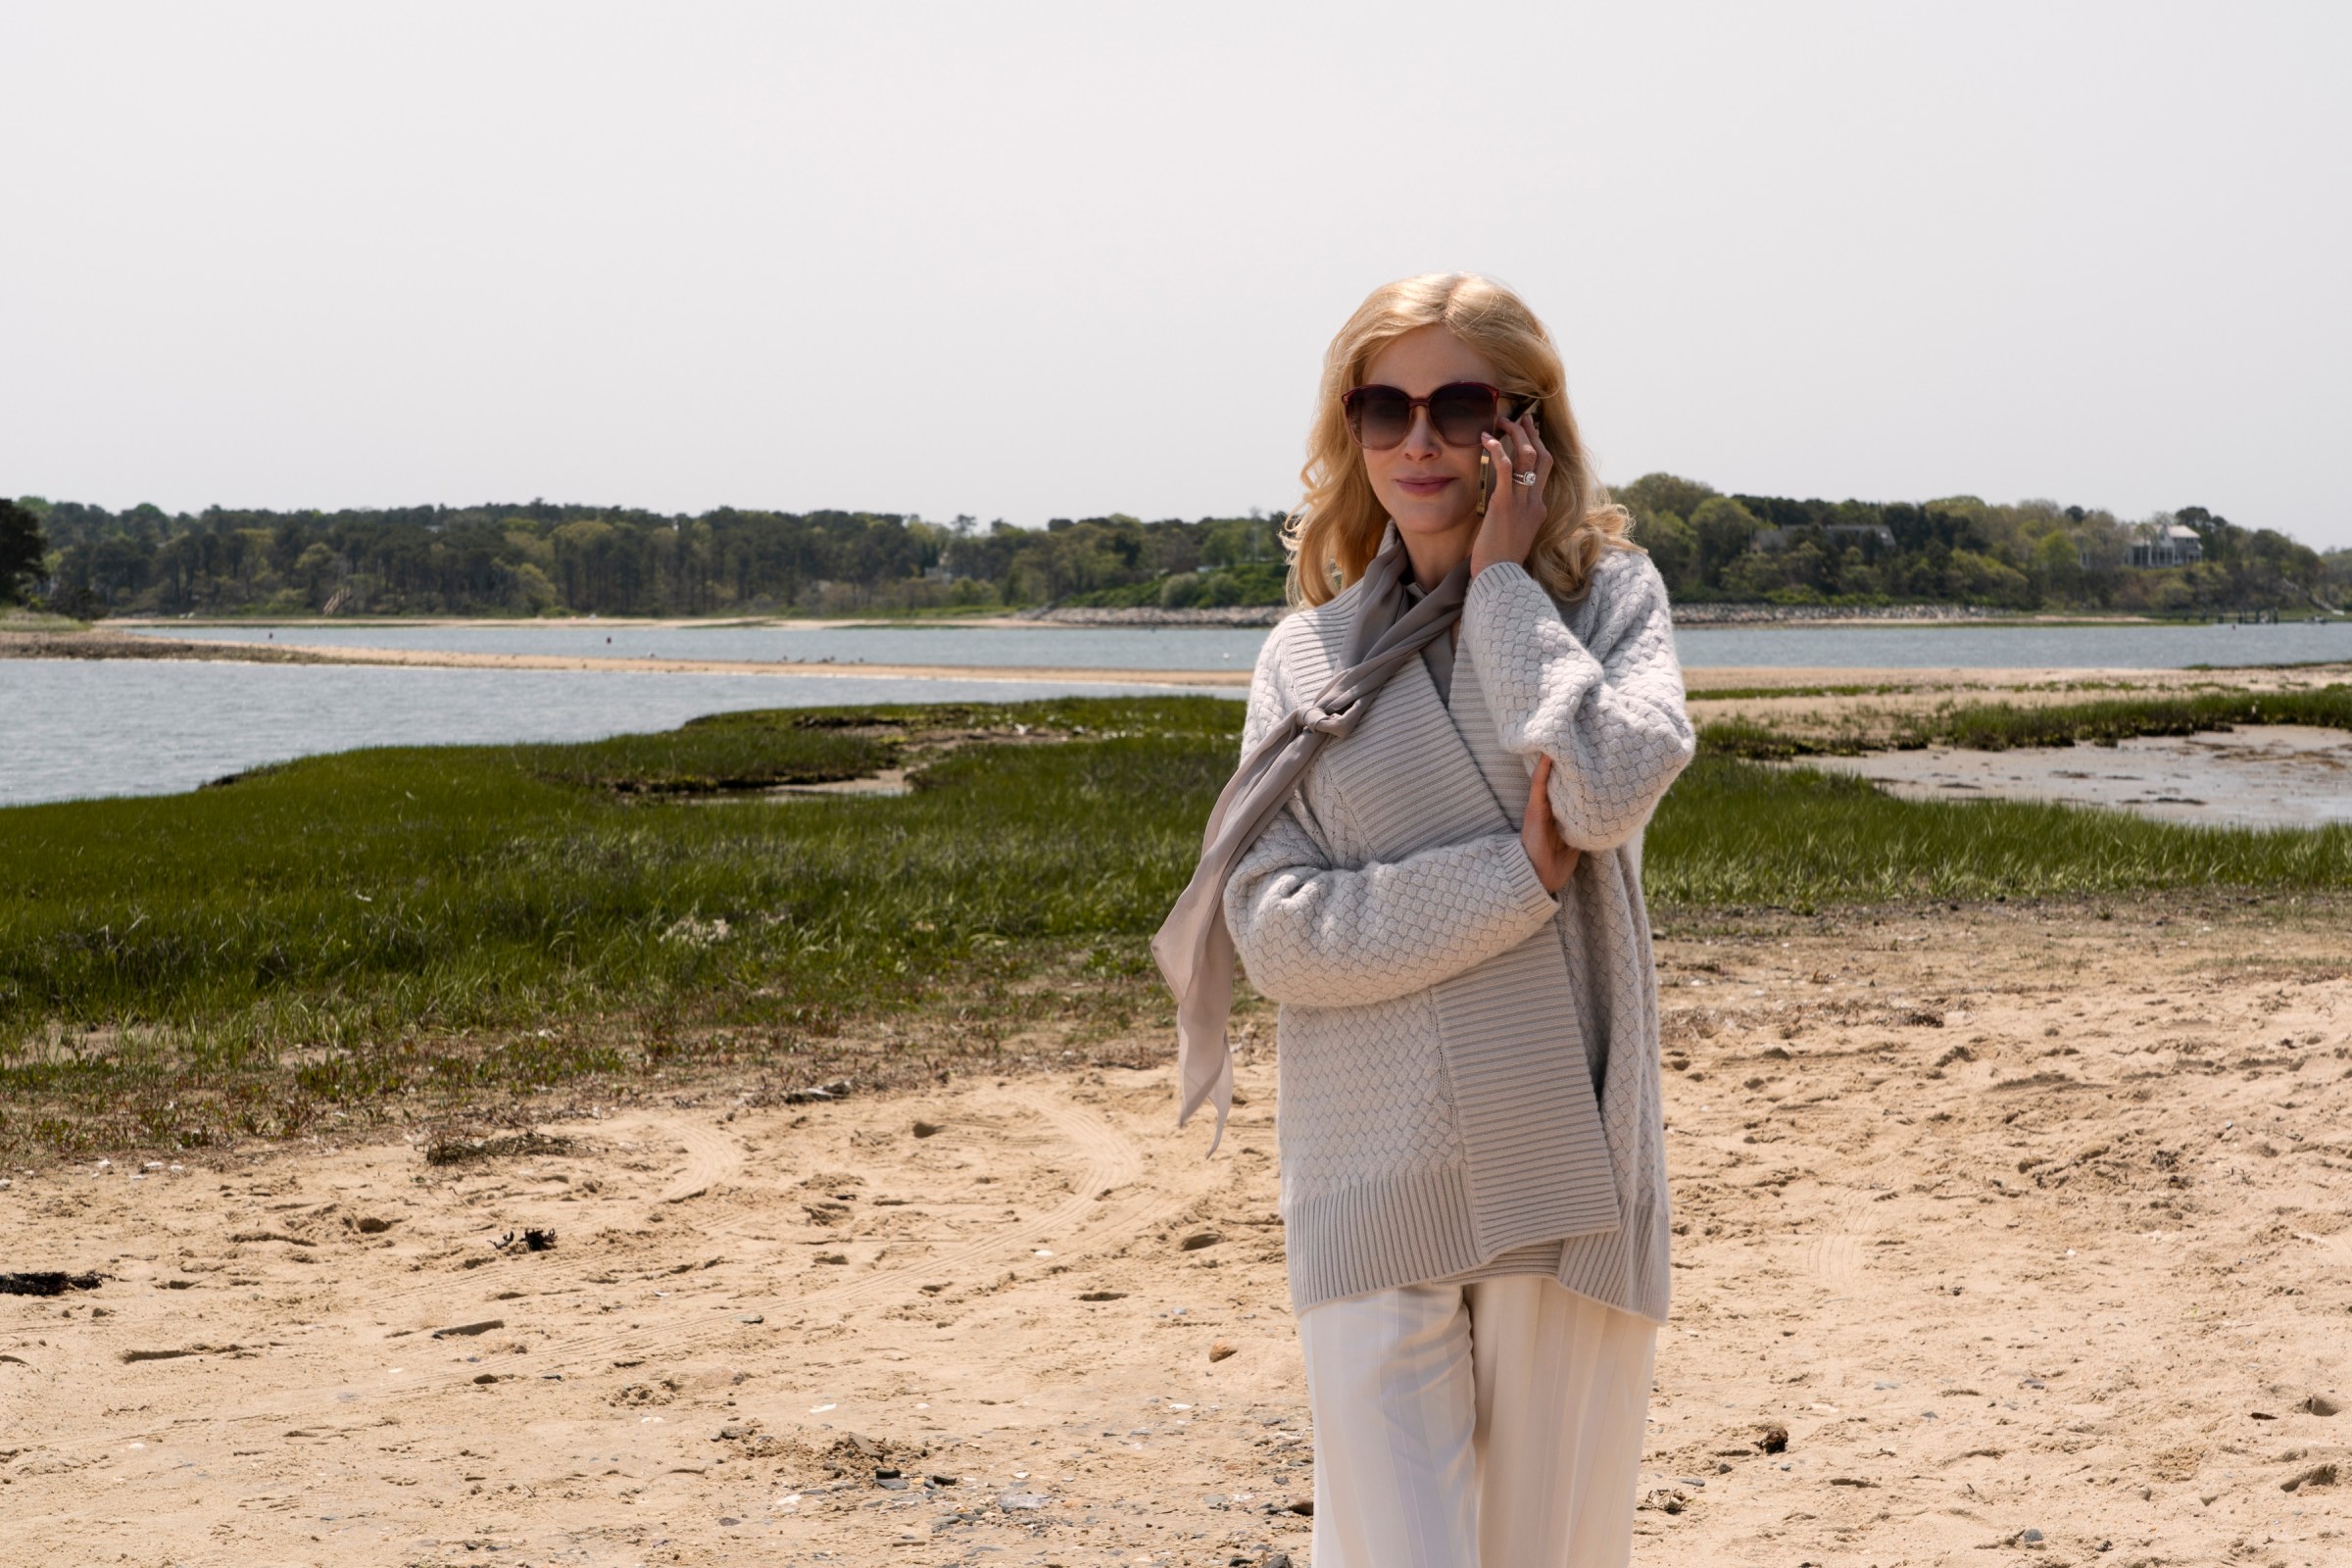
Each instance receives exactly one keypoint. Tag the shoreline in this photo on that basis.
(80, 646)
(1704, 681)
(1694, 614)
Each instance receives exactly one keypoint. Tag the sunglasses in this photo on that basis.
(1460, 411)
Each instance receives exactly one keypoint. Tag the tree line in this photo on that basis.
(546, 559)
(2027, 554)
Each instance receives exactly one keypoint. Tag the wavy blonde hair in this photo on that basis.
(1333, 532)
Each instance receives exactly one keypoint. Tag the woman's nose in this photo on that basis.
(1421, 436)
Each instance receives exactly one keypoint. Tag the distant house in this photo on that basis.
(1841, 534)
(2166, 544)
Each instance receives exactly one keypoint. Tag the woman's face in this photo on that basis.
(1429, 488)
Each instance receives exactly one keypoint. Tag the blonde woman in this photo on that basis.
(1431, 858)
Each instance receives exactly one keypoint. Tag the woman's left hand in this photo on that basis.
(1515, 512)
(1547, 850)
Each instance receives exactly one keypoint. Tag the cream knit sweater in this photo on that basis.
(1469, 1067)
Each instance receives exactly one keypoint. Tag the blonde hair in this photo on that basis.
(1333, 532)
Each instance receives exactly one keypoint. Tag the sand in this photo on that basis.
(2254, 776)
(2015, 1220)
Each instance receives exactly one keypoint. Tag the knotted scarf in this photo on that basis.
(1194, 946)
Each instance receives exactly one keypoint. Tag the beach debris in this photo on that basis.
(46, 1282)
(130, 1357)
(273, 1236)
(368, 1224)
(928, 1129)
(17, 1360)
(833, 1257)
(1014, 1500)
(752, 1317)
(2321, 1404)
(533, 1240)
(2318, 1475)
(1220, 1351)
(838, 1089)
(1197, 1240)
(1772, 1438)
(2031, 1536)
(1102, 1296)
(1665, 1499)
(485, 1377)
(458, 1149)
(468, 1330)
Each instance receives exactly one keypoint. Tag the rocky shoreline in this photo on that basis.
(98, 643)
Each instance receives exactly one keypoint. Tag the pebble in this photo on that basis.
(1022, 1500)
(2031, 1538)
(1220, 1351)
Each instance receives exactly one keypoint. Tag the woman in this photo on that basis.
(1431, 860)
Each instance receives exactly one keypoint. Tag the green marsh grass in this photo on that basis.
(369, 933)
(1737, 832)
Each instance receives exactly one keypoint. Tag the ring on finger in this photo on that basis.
(1524, 477)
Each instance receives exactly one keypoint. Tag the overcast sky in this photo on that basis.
(1034, 261)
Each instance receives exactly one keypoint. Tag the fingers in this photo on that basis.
(1532, 453)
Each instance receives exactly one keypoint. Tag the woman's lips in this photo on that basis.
(1426, 486)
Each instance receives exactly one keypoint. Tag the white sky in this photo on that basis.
(1026, 261)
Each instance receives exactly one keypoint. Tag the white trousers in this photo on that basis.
(1491, 1425)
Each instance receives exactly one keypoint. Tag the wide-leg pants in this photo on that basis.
(1497, 1424)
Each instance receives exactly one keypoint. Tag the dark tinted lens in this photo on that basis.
(1462, 413)
(1379, 416)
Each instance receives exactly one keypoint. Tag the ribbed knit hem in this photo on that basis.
(1375, 1235)
(1626, 1267)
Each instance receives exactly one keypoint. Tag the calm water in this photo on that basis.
(72, 728)
(1907, 647)
(977, 646)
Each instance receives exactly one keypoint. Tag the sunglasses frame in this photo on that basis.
(1515, 403)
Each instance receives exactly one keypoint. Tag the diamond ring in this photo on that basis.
(1526, 478)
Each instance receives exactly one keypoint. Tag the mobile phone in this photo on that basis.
(1485, 461)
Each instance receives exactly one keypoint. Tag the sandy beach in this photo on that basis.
(2026, 1227)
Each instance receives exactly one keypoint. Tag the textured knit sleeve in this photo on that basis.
(1608, 712)
(1311, 931)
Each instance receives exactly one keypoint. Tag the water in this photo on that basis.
(1193, 648)
(965, 645)
(72, 728)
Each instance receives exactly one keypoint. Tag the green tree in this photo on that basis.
(22, 549)
(1673, 548)
(1654, 493)
(1724, 530)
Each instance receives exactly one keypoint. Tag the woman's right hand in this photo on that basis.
(1553, 857)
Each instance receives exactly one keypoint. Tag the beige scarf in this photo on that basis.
(1193, 948)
